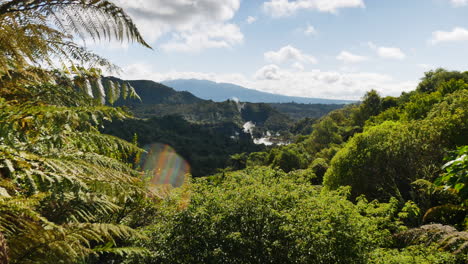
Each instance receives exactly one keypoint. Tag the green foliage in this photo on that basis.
(35, 32)
(303, 126)
(410, 214)
(371, 106)
(326, 133)
(289, 159)
(319, 166)
(456, 173)
(419, 254)
(371, 162)
(420, 105)
(257, 159)
(63, 183)
(67, 192)
(434, 79)
(262, 216)
(305, 111)
(206, 147)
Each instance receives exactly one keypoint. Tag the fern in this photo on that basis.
(66, 188)
(34, 32)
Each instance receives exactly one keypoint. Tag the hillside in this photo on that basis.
(155, 93)
(223, 91)
(158, 100)
(205, 147)
(299, 111)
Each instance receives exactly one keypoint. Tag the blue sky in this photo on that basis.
(313, 48)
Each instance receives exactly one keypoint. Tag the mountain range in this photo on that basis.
(220, 92)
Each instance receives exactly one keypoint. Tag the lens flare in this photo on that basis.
(163, 166)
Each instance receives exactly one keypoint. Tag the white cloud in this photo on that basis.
(388, 52)
(459, 2)
(298, 66)
(143, 71)
(288, 54)
(310, 31)
(268, 72)
(391, 53)
(279, 8)
(272, 78)
(329, 84)
(348, 57)
(208, 36)
(251, 19)
(457, 34)
(187, 21)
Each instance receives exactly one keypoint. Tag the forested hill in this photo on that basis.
(219, 92)
(158, 100)
(155, 93)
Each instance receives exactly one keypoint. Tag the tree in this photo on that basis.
(385, 159)
(261, 215)
(456, 174)
(371, 106)
(67, 191)
(433, 79)
(34, 33)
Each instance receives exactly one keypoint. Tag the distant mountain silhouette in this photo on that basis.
(223, 91)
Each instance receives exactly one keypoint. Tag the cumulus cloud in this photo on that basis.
(330, 84)
(459, 2)
(274, 79)
(297, 66)
(348, 57)
(388, 52)
(208, 36)
(187, 22)
(280, 8)
(144, 71)
(251, 20)
(288, 54)
(268, 72)
(457, 34)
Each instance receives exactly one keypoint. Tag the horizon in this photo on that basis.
(165, 83)
(318, 49)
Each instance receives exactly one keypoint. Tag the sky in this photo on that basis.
(336, 49)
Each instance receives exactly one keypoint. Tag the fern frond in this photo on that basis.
(98, 18)
(34, 32)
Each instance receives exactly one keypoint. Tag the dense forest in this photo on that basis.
(383, 181)
(207, 148)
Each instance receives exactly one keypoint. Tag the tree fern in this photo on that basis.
(37, 32)
(66, 190)
(65, 185)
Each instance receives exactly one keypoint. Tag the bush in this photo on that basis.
(261, 216)
(385, 159)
